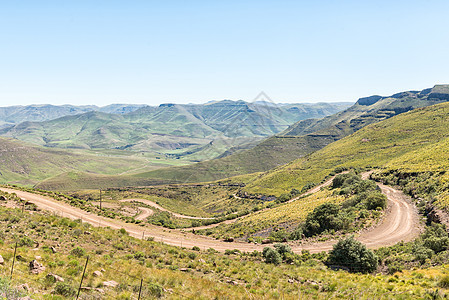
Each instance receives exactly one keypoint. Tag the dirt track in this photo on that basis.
(155, 205)
(400, 223)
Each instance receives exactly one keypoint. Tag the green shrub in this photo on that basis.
(119, 246)
(65, 289)
(139, 255)
(283, 198)
(436, 238)
(342, 180)
(280, 235)
(155, 290)
(271, 256)
(327, 216)
(295, 192)
(25, 241)
(283, 249)
(352, 254)
(78, 252)
(297, 234)
(375, 200)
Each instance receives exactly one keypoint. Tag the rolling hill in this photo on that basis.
(305, 137)
(206, 130)
(27, 164)
(413, 141)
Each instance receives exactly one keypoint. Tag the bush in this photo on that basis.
(344, 180)
(297, 234)
(155, 290)
(139, 255)
(25, 241)
(65, 289)
(353, 255)
(295, 192)
(375, 200)
(9, 292)
(283, 198)
(271, 256)
(423, 253)
(283, 249)
(327, 216)
(78, 252)
(436, 238)
(280, 235)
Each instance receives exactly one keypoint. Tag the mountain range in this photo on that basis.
(203, 130)
(11, 115)
(305, 137)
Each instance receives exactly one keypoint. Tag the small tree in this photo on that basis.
(353, 255)
(283, 249)
(271, 256)
(375, 200)
(324, 217)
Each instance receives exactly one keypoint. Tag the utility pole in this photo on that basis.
(100, 199)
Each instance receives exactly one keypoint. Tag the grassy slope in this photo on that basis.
(413, 140)
(287, 215)
(300, 139)
(271, 153)
(176, 272)
(27, 164)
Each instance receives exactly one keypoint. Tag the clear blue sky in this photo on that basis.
(102, 52)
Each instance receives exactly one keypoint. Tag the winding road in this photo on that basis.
(400, 223)
(155, 205)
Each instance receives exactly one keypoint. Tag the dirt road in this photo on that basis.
(400, 223)
(155, 205)
(145, 212)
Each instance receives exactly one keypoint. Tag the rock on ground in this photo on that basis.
(36, 268)
(110, 283)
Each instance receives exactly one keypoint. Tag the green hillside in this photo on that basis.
(278, 150)
(170, 272)
(27, 164)
(190, 132)
(413, 141)
(305, 137)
